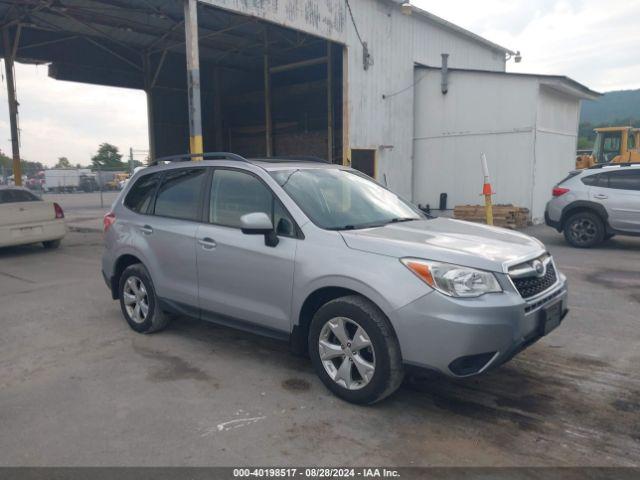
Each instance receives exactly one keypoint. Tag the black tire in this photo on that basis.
(388, 372)
(584, 230)
(51, 244)
(155, 319)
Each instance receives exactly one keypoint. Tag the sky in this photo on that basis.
(592, 41)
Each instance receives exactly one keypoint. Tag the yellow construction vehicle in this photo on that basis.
(613, 145)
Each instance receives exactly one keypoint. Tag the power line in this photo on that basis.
(385, 96)
(367, 60)
(353, 20)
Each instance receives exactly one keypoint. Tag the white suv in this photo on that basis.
(595, 204)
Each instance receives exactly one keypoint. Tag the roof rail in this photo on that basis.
(611, 164)
(187, 157)
(293, 158)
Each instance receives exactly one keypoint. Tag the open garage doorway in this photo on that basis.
(266, 90)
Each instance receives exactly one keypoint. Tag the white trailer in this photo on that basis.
(61, 180)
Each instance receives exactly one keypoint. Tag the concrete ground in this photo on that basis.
(78, 387)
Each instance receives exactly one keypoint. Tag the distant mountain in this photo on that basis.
(612, 108)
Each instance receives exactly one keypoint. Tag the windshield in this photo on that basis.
(343, 200)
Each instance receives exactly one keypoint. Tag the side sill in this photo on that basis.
(179, 308)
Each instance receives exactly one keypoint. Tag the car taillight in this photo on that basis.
(559, 191)
(58, 209)
(109, 219)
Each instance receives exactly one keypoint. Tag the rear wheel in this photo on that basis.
(51, 244)
(584, 230)
(138, 301)
(355, 351)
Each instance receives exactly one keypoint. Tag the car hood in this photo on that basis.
(446, 240)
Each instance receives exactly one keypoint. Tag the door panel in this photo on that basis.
(169, 245)
(243, 278)
(166, 234)
(238, 275)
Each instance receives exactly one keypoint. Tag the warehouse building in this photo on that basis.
(333, 78)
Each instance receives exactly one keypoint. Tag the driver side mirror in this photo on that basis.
(259, 223)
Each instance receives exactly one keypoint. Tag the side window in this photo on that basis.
(282, 221)
(625, 180)
(5, 196)
(235, 193)
(141, 194)
(24, 196)
(180, 193)
(599, 180)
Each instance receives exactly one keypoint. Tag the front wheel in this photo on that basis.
(354, 350)
(138, 301)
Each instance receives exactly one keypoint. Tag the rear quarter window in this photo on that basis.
(141, 194)
(569, 177)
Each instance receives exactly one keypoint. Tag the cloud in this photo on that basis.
(592, 41)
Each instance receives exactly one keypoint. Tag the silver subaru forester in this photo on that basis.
(327, 259)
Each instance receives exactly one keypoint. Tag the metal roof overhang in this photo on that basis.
(559, 83)
(134, 43)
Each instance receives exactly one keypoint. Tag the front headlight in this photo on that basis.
(453, 280)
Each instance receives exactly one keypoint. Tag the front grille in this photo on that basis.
(532, 286)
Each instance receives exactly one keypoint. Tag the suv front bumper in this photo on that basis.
(464, 337)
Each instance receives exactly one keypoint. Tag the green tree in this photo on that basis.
(28, 168)
(108, 158)
(63, 162)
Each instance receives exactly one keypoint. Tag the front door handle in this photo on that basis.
(601, 196)
(207, 243)
(147, 230)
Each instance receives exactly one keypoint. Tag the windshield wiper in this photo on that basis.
(344, 227)
(401, 219)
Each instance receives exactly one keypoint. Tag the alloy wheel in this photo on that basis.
(347, 353)
(583, 230)
(136, 300)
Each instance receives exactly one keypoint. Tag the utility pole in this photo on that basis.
(9, 53)
(193, 77)
(130, 160)
(268, 125)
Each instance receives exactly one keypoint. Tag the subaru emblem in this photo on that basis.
(538, 267)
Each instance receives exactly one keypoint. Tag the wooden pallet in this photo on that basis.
(508, 216)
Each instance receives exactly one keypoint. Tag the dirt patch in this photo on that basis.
(538, 403)
(615, 279)
(296, 385)
(584, 361)
(173, 368)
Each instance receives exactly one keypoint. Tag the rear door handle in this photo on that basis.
(147, 230)
(601, 196)
(207, 243)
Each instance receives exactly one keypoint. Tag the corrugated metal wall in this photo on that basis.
(527, 131)
(556, 140)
